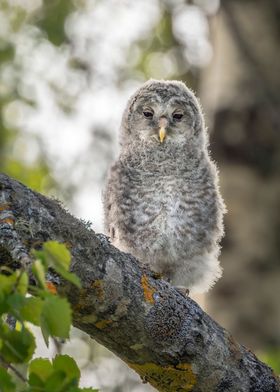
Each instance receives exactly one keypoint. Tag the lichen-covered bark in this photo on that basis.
(159, 333)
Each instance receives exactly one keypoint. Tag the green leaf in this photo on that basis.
(55, 318)
(36, 383)
(58, 257)
(4, 307)
(15, 302)
(24, 309)
(39, 272)
(68, 366)
(40, 255)
(31, 310)
(55, 382)
(18, 280)
(62, 375)
(70, 277)
(7, 283)
(41, 368)
(18, 346)
(22, 283)
(6, 383)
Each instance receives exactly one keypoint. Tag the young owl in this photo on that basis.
(162, 202)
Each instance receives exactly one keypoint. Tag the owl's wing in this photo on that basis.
(110, 195)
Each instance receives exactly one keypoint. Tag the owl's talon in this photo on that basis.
(157, 275)
(183, 290)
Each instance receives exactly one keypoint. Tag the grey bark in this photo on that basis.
(158, 332)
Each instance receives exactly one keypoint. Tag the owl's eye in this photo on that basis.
(148, 113)
(177, 116)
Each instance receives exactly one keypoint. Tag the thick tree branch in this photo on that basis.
(159, 333)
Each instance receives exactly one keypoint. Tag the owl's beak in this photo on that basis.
(162, 134)
(162, 129)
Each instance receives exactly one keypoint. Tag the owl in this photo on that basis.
(162, 202)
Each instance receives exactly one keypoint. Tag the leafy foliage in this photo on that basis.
(42, 307)
(62, 374)
(6, 383)
(47, 18)
(54, 15)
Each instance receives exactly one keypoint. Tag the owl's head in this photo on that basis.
(163, 113)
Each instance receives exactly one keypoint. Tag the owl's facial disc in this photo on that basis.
(162, 121)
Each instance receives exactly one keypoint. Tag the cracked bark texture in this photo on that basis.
(166, 338)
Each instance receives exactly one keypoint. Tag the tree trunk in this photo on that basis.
(241, 93)
(162, 335)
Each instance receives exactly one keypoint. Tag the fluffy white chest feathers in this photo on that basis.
(162, 212)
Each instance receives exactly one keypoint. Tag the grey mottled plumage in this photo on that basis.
(162, 203)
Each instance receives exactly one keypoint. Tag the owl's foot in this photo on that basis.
(183, 290)
(157, 275)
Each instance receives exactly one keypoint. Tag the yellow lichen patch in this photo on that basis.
(97, 285)
(147, 289)
(88, 318)
(10, 221)
(81, 301)
(137, 346)
(4, 207)
(51, 287)
(103, 324)
(167, 378)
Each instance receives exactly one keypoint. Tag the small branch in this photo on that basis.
(9, 366)
(165, 337)
(58, 345)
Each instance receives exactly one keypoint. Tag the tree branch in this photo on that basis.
(159, 333)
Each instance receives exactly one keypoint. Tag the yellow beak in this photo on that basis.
(162, 128)
(162, 134)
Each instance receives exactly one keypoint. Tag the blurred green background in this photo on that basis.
(66, 71)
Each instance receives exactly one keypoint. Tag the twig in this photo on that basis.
(9, 366)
